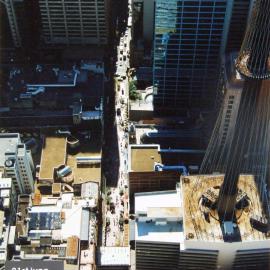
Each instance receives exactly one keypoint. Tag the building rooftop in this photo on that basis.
(63, 221)
(64, 216)
(157, 199)
(8, 143)
(177, 144)
(72, 247)
(113, 256)
(5, 191)
(5, 216)
(88, 256)
(53, 155)
(143, 157)
(159, 216)
(47, 89)
(88, 148)
(24, 201)
(56, 152)
(90, 190)
(140, 130)
(197, 228)
(145, 103)
(171, 232)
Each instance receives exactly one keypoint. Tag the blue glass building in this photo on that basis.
(189, 39)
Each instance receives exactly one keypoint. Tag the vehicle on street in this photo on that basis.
(118, 112)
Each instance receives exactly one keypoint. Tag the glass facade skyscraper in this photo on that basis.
(189, 38)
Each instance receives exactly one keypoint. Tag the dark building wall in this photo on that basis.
(238, 24)
(137, 115)
(168, 256)
(252, 259)
(26, 16)
(5, 34)
(198, 259)
(157, 256)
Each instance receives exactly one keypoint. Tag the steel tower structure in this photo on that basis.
(253, 63)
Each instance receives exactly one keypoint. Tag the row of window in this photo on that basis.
(78, 25)
(165, 3)
(76, 19)
(86, 31)
(227, 118)
(85, 35)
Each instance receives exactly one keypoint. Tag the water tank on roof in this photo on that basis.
(9, 163)
(63, 172)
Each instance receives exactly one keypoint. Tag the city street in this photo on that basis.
(117, 207)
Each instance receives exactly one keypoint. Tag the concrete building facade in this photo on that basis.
(232, 86)
(75, 22)
(16, 162)
(7, 216)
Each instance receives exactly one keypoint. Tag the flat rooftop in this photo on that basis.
(142, 130)
(57, 88)
(113, 256)
(8, 143)
(159, 216)
(157, 199)
(53, 155)
(47, 215)
(195, 225)
(143, 157)
(88, 148)
(171, 232)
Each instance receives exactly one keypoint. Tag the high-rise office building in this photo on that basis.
(190, 39)
(16, 162)
(74, 21)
